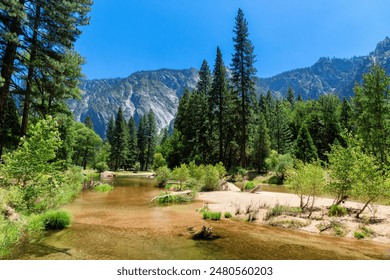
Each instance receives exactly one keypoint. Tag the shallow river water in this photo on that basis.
(125, 224)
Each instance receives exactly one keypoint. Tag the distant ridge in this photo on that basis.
(160, 90)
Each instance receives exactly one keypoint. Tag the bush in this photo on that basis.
(249, 185)
(56, 219)
(103, 188)
(337, 211)
(210, 179)
(168, 198)
(9, 236)
(158, 161)
(163, 173)
(101, 166)
(215, 216)
(227, 215)
(359, 235)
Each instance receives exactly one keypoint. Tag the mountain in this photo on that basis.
(137, 94)
(328, 75)
(160, 90)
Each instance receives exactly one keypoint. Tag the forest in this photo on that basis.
(224, 122)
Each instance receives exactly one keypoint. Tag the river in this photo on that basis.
(125, 224)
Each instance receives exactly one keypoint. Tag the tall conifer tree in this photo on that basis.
(243, 73)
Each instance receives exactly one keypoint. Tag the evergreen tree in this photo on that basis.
(132, 143)
(299, 98)
(110, 131)
(305, 149)
(290, 96)
(261, 144)
(119, 142)
(10, 130)
(204, 83)
(346, 115)
(151, 136)
(88, 122)
(243, 73)
(373, 112)
(142, 141)
(279, 129)
(218, 103)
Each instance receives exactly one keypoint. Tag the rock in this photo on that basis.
(107, 174)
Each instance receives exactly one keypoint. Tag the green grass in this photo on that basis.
(337, 211)
(168, 198)
(103, 188)
(215, 216)
(359, 235)
(227, 215)
(56, 219)
(249, 185)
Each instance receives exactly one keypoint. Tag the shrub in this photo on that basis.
(163, 173)
(210, 179)
(9, 236)
(168, 198)
(158, 161)
(337, 211)
(56, 219)
(215, 216)
(227, 215)
(101, 166)
(221, 170)
(359, 235)
(103, 188)
(249, 185)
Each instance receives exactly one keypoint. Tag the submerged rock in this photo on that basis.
(206, 233)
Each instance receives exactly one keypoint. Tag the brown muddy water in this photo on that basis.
(125, 224)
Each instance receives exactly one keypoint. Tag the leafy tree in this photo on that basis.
(279, 163)
(308, 181)
(243, 73)
(181, 174)
(158, 161)
(346, 116)
(372, 112)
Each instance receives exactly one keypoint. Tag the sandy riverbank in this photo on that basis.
(233, 200)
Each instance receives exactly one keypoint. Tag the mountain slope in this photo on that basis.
(328, 74)
(160, 90)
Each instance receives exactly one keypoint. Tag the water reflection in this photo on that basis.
(124, 224)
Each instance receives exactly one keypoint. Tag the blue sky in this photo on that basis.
(125, 36)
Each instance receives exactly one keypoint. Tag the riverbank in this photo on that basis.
(280, 209)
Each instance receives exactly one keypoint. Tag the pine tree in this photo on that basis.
(204, 83)
(218, 102)
(110, 131)
(373, 112)
(119, 142)
(261, 144)
(346, 115)
(142, 141)
(290, 96)
(243, 73)
(305, 149)
(151, 136)
(88, 122)
(279, 129)
(132, 143)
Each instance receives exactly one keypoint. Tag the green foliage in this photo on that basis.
(158, 161)
(307, 180)
(181, 174)
(337, 210)
(169, 198)
(163, 174)
(9, 236)
(215, 216)
(261, 144)
(249, 185)
(211, 180)
(227, 215)
(221, 170)
(35, 181)
(279, 163)
(101, 166)
(305, 149)
(56, 219)
(103, 188)
(359, 235)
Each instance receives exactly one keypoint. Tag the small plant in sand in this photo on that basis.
(337, 211)
(227, 215)
(103, 188)
(215, 216)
